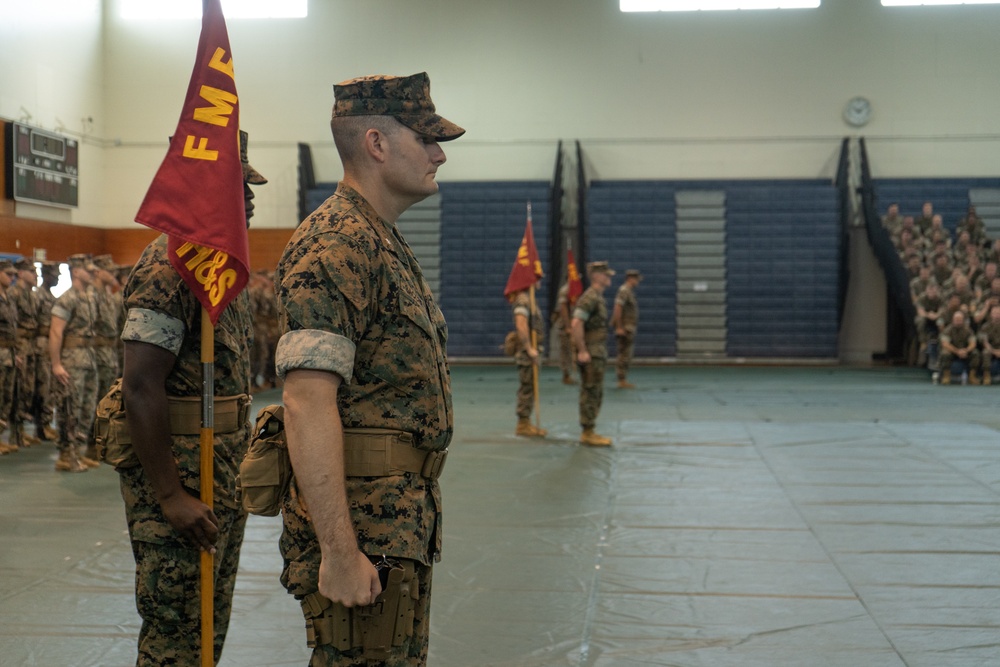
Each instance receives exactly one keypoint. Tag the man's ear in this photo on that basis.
(375, 144)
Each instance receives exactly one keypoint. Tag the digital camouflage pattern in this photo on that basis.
(44, 396)
(167, 581)
(625, 299)
(163, 311)
(8, 349)
(592, 309)
(352, 301)
(78, 399)
(959, 337)
(406, 98)
(27, 328)
(521, 305)
(566, 361)
(107, 311)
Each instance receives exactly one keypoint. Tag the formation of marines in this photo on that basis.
(582, 329)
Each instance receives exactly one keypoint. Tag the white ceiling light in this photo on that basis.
(144, 10)
(712, 5)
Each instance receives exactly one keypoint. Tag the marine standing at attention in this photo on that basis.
(367, 394)
(625, 320)
(168, 524)
(590, 336)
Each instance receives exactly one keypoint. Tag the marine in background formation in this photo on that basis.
(625, 321)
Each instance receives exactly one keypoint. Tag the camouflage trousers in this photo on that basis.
(567, 358)
(44, 406)
(591, 391)
(26, 380)
(8, 376)
(626, 347)
(525, 390)
(107, 369)
(412, 652)
(167, 580)
(77, 401)
(973, 359)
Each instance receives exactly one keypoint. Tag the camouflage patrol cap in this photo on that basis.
(80, 261)
(48, 266)
(105, 262)
(600, 267)
(24, 264)
(634, 273)
(405, 98)
(7, 266)
(250, 175)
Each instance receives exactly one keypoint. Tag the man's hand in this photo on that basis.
(193, 519)
(60, 373)
(350, 580)
(583, 357)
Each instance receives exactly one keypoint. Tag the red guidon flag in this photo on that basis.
(196, 198)
(527, 267)
(573, 279)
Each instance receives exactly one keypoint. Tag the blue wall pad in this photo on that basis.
(482, 224)
(781, 264)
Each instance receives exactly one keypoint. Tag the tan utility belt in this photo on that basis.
(104, 341)
(382, 452)
(71, 342)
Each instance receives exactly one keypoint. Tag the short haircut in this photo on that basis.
(349, 132)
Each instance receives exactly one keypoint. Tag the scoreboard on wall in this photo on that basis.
(42, 166)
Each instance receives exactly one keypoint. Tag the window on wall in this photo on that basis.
(143, 10)
(709, 5)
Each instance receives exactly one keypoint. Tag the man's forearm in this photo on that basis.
(316, 447)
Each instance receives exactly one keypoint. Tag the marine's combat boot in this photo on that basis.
(28, 440)
(591, 439)
(529, 430)
(568, 379)
(987, 379)
(67, 462)
(625, 384)
(973, 376)
(49, 433)
(88, 457)
(946, 376)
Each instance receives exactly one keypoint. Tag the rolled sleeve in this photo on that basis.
(581, 314)
(153, 327)
(313, 349)
(61, 313)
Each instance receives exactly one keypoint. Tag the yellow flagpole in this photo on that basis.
(534, 366)
(206, 458)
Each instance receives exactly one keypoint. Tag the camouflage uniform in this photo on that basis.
(989, 333)
(566, 361)
(352, 301)
(959, 337)
(592, 309)
(44, 408)
(625, 299)
(163, 311)
(107, 308)
(27, 329)
(78, 399)
(8, 351)
(526, 383)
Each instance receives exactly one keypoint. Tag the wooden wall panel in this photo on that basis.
(23, 235)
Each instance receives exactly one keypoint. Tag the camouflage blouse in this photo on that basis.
(353, 301)
(592, 309)
(163, 311)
